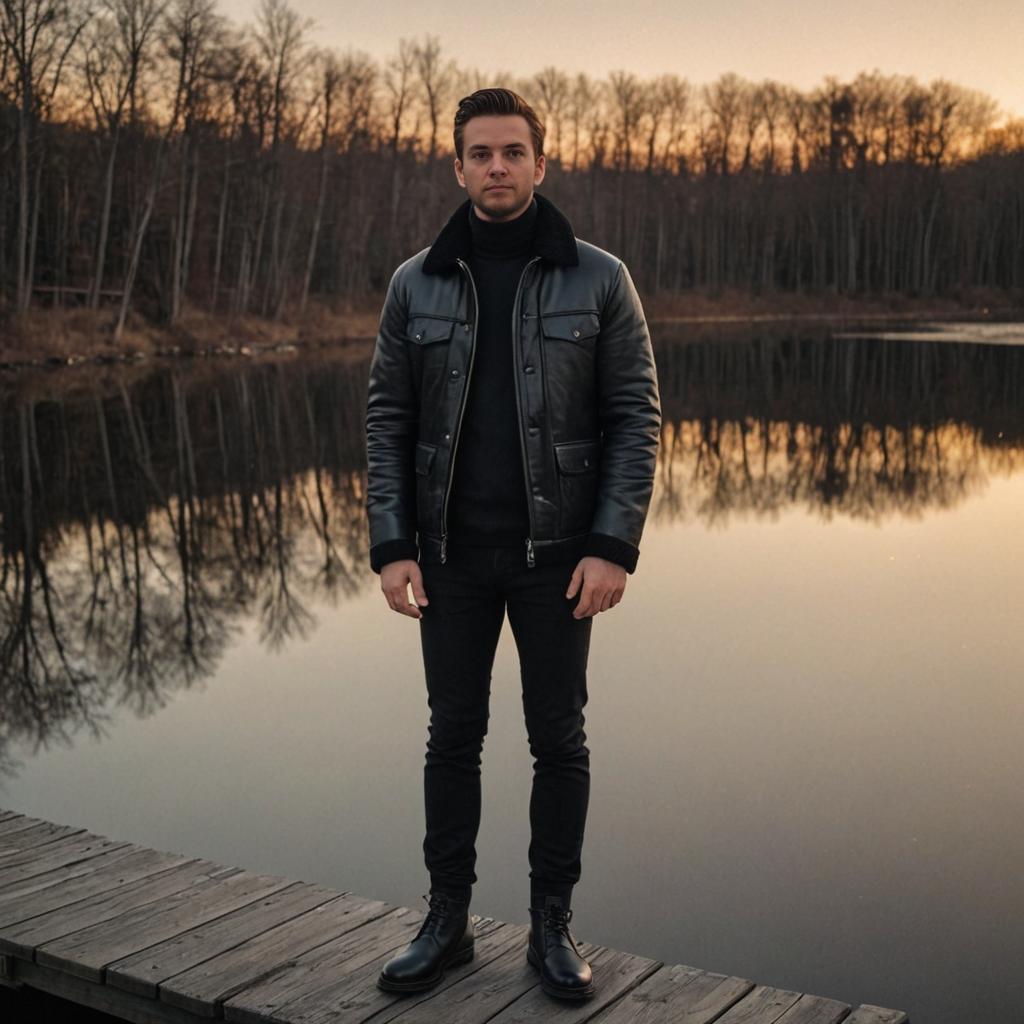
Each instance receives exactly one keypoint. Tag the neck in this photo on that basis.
(502, 239)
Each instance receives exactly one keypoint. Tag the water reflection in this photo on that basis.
(146, 522)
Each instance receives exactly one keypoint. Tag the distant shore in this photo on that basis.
(70, 337)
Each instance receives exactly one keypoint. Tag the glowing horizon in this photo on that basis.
(784, 40)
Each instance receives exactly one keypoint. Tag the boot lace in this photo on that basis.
(437, 913)
(558, 918)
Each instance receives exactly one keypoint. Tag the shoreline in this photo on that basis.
(54, 339)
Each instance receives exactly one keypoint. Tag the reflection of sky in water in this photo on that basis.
(804, 719)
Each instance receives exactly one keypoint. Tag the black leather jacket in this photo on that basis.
(586, 393)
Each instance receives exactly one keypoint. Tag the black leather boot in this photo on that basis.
(445, 938)
(552, 951)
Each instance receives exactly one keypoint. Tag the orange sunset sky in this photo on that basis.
(791, 41)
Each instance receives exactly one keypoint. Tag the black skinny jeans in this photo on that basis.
(459, 631)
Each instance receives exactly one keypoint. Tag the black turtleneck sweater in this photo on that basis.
(488, 503)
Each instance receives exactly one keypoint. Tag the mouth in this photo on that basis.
(498, 188)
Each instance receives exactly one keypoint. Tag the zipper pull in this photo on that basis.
(444, 549)
(530, 561)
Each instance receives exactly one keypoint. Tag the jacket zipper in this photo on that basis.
(462, 409)
(530, 560)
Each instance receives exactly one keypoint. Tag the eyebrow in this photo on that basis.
(508, 145)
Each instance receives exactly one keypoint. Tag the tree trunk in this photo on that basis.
(101, 241)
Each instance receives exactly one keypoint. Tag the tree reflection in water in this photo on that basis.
(145, 523)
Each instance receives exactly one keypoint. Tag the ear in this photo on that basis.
(538, 171)
(458, 173)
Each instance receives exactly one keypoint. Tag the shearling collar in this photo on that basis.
(553, 239)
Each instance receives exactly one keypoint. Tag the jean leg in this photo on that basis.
(553, 649)
(459, 632)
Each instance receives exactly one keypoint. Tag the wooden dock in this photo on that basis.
(161, 938)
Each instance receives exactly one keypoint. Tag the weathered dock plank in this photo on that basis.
(351, 993)
(71, 883)
(767, 1005)
(24, 938)
(204, 988)
(815, 1010)
(868, 1014)
(98, 996)
(29, 863)
(329, 964)
(160, 938)
(143, 972)
(16, 822)
(680, 994)
(761, 1005)
(615, 973)
(88, 951)
(25, 839)
(40, 842)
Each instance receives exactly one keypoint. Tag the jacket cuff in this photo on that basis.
(604, 545)
(392, 551)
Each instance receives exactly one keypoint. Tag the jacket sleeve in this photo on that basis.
(392, 418)
(629, 409)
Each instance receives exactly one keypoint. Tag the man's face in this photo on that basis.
(498, 168)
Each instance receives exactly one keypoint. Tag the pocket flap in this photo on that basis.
(423, 330)
(425, 457)
(578, 456)
(578, 326)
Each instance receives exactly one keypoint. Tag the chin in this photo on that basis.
(499, 205)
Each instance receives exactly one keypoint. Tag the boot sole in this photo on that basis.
(551, 988)
(462, 957)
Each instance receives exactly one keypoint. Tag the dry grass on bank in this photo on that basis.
(73, 335)
(78, 334)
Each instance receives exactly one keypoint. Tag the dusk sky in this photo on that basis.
(974, 45)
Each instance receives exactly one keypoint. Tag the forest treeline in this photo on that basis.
(154, 155)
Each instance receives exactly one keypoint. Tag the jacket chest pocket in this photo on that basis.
(423, 331)
(579, 327)
(577, 463)
(569, 351)
(430, 340)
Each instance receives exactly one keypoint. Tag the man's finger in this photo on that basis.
(399, 602)
(574, 582)
(418, 592)
(584, 608)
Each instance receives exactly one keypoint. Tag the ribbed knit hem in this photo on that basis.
(612, 549)
(392, 551)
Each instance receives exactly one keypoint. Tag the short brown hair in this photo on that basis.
(497, 101)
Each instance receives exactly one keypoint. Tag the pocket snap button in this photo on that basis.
(575, 332)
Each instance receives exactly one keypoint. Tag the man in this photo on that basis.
(513, 420)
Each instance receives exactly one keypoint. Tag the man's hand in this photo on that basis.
(395, 578)
(603, 585)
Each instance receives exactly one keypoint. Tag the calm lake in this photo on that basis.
(806, 717)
